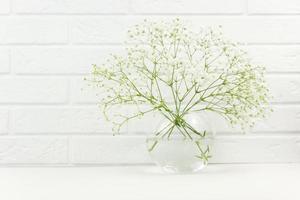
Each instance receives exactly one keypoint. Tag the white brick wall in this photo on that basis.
(46, 48)
(4, 7)
(187, 6)
(70, 6)
(33, 30)
(4, 60)
(274, 7)
(14, 90)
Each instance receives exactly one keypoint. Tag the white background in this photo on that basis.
(46, 48)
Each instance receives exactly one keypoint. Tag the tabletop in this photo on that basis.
(219, 181)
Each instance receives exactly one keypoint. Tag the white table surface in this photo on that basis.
(232, 182)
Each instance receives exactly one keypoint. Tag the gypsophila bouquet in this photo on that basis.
(176, 72)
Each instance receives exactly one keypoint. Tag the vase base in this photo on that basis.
(183, 170)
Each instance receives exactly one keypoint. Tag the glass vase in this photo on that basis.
(184, 147)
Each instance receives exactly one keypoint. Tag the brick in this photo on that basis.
(3, 121)
(33, 90)
(90, 121)
(187, 6)
(274, 7)
(93, 30)
(64, 60)
(225, 149)
(4, 6)
(256, 149)
(71, 6)
(108, 150)
(33, 150)
(32, 30)
(276, 58)
(4, 61)
(283, 119)
(49, 120)
(284, 88)
(253, 30)
(81, 92)
(78, 60)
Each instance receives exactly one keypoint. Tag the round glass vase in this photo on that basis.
(182, 148)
